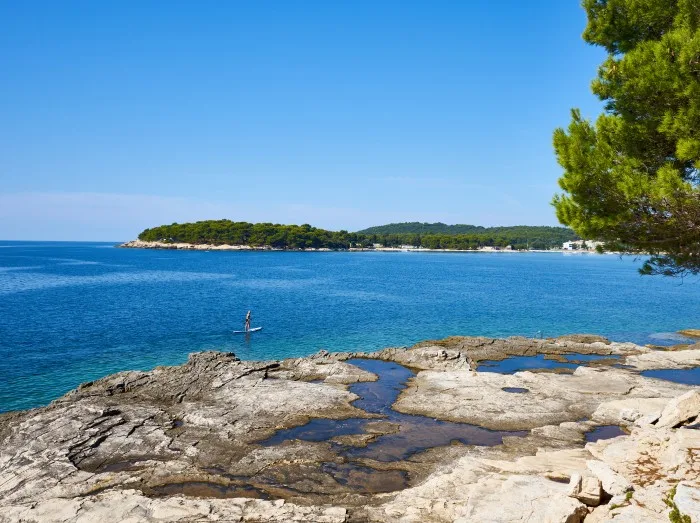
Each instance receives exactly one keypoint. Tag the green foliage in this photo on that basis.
(628, 498)
(675, 515)
(218, 232)
(423, 228)
(442, 236)
(631, 179)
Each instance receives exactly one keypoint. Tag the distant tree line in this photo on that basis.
(442, 228)
(218, 232)
(461, 236)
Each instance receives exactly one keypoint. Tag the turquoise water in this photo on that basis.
(73, 312)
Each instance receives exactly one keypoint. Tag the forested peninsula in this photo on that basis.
(418, 235)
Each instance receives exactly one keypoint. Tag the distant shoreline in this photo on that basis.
(140, 244)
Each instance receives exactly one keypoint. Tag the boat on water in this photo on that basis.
(254, 329)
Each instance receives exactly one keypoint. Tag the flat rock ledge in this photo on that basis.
(181, 246)
(186, 443)
(140, 244)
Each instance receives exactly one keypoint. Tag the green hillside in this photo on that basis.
(564, 233)
(219, 232)
(443, 236)
(421, 228)
(430, 236)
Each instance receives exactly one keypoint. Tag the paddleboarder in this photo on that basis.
(247, 321)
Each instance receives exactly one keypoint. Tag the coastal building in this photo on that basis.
(581, 245)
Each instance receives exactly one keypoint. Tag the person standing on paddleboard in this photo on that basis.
(247, 321)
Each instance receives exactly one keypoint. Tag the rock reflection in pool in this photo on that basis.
(566, 362)
(584, 358)
(415, 434)
(518, 363)
(684, 376)
(362, 478)
(204, 489)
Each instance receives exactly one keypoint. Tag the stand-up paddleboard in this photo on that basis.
(256, 329)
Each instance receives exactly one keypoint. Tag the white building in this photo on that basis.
(581, 245)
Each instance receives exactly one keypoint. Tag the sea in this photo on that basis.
(75, 312)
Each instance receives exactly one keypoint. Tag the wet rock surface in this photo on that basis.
(418, 434)
(405, 434)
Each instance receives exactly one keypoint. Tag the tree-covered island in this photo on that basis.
(428, 236)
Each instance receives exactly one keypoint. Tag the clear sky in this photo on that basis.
(117, 116)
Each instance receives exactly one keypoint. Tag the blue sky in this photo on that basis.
(116, 116)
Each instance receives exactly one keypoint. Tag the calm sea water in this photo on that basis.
(73, 312)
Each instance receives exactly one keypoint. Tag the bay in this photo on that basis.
(73, 312)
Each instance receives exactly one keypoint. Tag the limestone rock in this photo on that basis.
(680, 409)
(428, 357)
(625, 514)
(129, 506)
(693, 333)
(628, 410)
(575, 484)
(169, 444)
(687, 499)
(495, 498)
(480, 348)
(649, 419)
(591, 489)
(587, 489)
(613, 483)
(479, 398)
(665, 359)
(584, 338)
(308, 369)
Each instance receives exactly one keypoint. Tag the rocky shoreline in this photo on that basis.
(203, 441)
(180, 246)
(140, 244)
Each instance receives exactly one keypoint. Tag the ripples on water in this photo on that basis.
(72, 312)
(31, 281)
